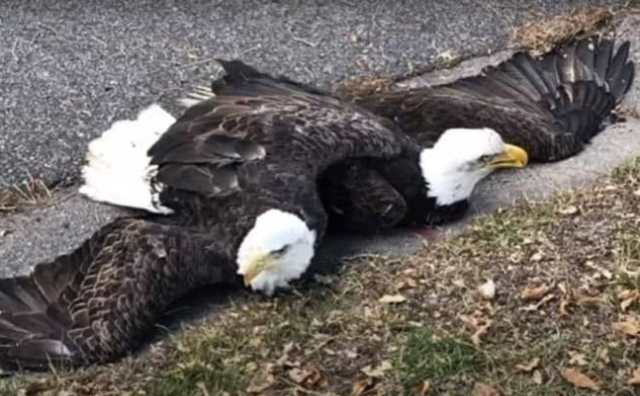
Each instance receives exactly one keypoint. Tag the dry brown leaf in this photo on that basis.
(564, 303)
(482, 330)
(308, 376)
(630, 327)
(423, 389)
(628, 297)
(529, 366)
(534, 293)
(407, 283)
(377, 372)
(536, 306)
(487, 290)
(590, 300)
(392, 299)
(479, 325)
(298, 375)
(635, 377)
(536, 257)
(259, 385)
(577, 359)
(459, 283)
(537, 377)
(480, 389)
(315, 378)
(579, 380)
(362, 386)
(470, 321)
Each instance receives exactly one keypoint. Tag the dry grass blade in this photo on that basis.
(541, 36)
(33, 192)
(359, 87)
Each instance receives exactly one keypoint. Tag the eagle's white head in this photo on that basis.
(461, 158)
(276, 250)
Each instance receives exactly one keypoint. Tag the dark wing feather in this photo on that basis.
(360, 199)
(203, 149)
(96, 303)
(551, 106)
(208, 181)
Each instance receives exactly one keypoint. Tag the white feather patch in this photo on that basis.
(118, 170)
(448, 167)
(199, 94)
(273, 230)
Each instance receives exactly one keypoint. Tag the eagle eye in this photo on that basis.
(280, 251)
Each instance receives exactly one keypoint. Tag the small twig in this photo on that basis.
(48, 28)
(304, 41)
(255, 47)
(13, 50)
(320, 346)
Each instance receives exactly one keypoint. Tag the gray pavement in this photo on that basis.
(40, 234)
(69, 68)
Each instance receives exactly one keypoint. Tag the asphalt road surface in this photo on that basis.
(69, 68)
(67, 73)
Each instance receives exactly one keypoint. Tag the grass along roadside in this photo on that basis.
(31, 193)
(536, 300)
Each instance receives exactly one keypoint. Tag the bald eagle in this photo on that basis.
(236, 176)
(550, 106)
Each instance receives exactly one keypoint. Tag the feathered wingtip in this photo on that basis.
(236, 74)
(581, 81)
(621, 72)
(32, 327)
(200, 93)
(236, 69)
(594, 59)
(591, 77)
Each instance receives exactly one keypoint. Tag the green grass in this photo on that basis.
(9, 386)
(427, 358)
(204, 363)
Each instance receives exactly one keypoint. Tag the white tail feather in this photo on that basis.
(118, 170)
(200, 93)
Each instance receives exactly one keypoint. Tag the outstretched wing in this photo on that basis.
(551, 106)
(241, 120)
(96, 303)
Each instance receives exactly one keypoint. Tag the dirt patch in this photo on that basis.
(543, 35)
(359, 87)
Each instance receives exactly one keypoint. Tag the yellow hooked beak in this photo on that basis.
(511, 157)
(258, 264)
